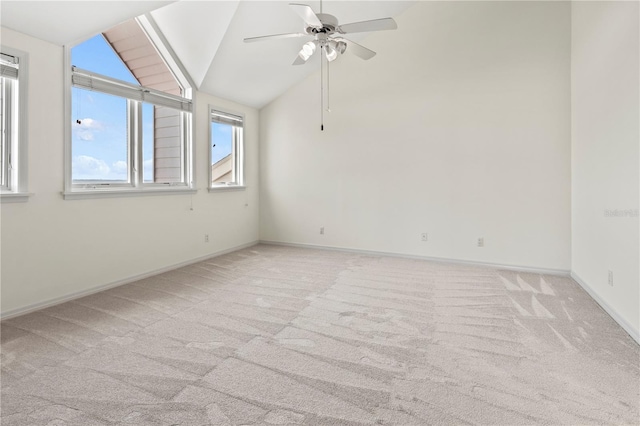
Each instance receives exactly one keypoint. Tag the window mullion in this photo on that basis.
(234, 153)
(185, 148)
(132, 141)
(138, 161)
(240, 155)
(8, 134)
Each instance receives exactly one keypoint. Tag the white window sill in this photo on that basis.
(82, 194)
(222, 188)
(15, 197)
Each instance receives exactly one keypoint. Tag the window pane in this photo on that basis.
(96, 55)
(222, 153)
(147, 121)
(99, 139)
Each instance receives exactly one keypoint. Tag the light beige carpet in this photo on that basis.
(277, 335)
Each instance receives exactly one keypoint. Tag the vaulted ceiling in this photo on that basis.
(207, 36)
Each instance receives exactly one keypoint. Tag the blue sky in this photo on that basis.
(99, 141)
(221, 136)
(99, 144)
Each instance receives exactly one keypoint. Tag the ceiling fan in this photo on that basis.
(327, 34)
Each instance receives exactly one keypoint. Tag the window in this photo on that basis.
(13, 144)
(226, 149)
(131, 116)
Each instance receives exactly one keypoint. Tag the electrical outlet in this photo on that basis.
(322, 230)
(206, 238)
(481, 242)
(424, 237)
(611, 278)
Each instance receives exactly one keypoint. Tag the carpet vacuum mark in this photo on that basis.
(279, 335)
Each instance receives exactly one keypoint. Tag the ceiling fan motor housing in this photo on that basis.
(329, 25)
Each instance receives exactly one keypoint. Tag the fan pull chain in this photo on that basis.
(322, 83)
(321, 89)
(328, 86)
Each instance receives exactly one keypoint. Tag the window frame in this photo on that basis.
(238, 149)
(7, 106)
(135, 184)
(17, 163)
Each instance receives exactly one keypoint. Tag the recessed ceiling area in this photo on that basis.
(207, 36)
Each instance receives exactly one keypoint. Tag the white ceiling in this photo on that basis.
(64, 22)
(206, 35)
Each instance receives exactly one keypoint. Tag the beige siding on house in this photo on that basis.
(167, 162)
(164, 87)
(167, 174)
(167, 152)
(222, 171)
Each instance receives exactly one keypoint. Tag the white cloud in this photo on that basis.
(119, 167)
(85, 135)
(85, 167)
(87, 123)
(148, 170)
(89, 168)
(86, 127)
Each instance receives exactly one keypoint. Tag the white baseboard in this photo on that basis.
(630, 329)
(78, 294)
(534, 270)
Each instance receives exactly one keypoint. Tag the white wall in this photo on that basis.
(460, 127)
(605, 154)
(52, 247)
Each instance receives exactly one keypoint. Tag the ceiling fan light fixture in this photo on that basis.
(330, 52)
(303, 55)
(308, 48)
(341, 46)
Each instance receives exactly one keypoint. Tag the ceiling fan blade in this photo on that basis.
(373, 25)
(307, 14)
(274, 36)
(358, 49)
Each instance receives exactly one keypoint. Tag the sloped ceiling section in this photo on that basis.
(195, 31)
(255, 73)
(66, 22)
